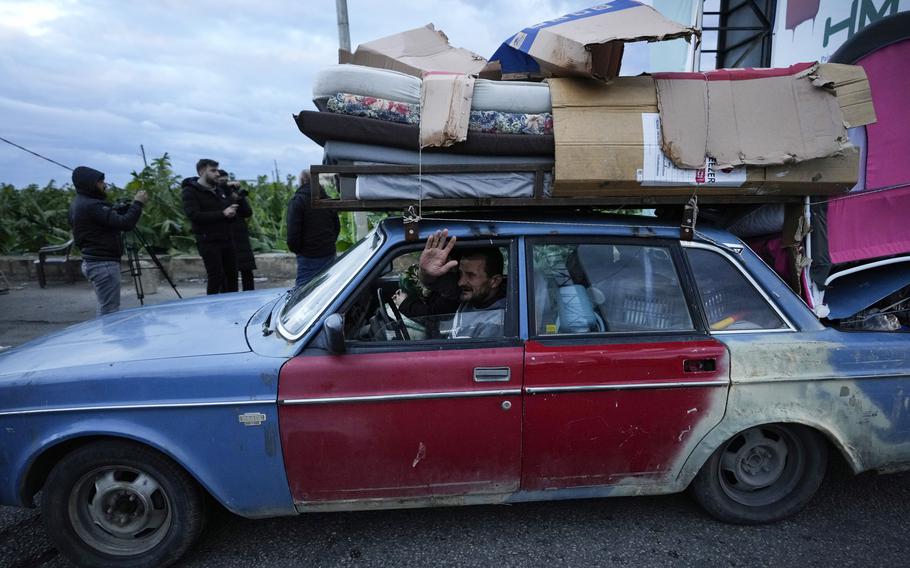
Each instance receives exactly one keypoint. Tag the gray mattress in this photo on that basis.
(351, 151)
(449, 186)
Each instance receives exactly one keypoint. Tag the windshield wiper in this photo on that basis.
(267, 327)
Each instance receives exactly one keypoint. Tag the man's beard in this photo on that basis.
(476, 299)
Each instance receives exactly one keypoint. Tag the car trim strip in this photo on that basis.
(627, 386)
(136, 406)
(393, 397)
(888, 376)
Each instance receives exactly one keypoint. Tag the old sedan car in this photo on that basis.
(629, 362)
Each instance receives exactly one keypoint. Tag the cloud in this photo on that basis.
(88, 81)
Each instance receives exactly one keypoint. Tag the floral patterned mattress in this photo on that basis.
(490, 121)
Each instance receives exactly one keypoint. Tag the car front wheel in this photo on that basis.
(762, 474)
(116, 503)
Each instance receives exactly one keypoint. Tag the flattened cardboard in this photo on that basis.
(851, 87)
(600, 150)
(445, 108)
(761, 116)
(587, 43)
(417, 51)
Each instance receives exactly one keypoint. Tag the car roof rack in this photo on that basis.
(612, 197)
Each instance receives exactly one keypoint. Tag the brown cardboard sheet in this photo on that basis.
(851, 87)
(445, 108)
(415, 52)
(760, 117)
(608, 143)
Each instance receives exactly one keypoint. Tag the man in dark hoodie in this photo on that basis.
(213, 212)
(97, 229)
(311, 233)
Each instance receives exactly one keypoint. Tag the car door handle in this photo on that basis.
(699, 365)
(492, 374)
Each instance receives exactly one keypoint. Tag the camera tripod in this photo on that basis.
(133, 245)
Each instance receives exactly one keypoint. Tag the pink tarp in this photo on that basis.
(863, 226)
(889, 138)
(871, 225)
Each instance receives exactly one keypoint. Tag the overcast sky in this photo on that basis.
(85, 82)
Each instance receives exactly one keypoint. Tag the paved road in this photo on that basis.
(854, 521)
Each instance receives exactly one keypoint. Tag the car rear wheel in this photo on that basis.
(117, 503)
(762, 474)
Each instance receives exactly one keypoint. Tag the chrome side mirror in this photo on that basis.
(333, 330)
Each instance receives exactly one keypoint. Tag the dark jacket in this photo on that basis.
(205, 209)
(96, 225)
(241, 234)
(445, 299)
(311, 232)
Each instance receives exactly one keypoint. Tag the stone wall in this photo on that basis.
(277, 266)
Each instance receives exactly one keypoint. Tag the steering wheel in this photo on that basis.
(401, 330)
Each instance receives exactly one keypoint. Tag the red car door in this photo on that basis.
(621, 380)
(412, 417)
(409, 424)
(601, 413)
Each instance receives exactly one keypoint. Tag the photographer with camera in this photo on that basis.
(97, 226)
(246, 261)
(213, 212)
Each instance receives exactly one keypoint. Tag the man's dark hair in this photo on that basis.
(204, 163)
(492, 259)
(223, 173)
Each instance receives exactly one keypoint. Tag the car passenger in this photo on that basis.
(476, 293)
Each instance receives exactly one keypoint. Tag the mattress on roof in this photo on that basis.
(323, 126)
(477, 185)
(506, 96)
(336, 150)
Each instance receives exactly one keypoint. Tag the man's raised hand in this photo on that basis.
(434, 260)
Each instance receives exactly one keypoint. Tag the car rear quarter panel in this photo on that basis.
(852, 387)
(187, 408)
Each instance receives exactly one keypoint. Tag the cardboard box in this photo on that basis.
(415, 52)
(760, 116)
(608, 144)
(587, 43)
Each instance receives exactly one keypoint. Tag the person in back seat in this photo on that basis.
(475, 292)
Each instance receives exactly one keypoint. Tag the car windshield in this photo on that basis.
(305, 302)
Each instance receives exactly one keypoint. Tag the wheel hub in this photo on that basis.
(759, 466)
(120, 510)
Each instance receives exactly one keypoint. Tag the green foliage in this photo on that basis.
(33, 217)
(36, 216)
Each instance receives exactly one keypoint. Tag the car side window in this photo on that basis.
(395, 305)
(590, 288)
(730, 301)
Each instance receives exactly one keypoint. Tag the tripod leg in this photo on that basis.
(156, 261)
(132, 258)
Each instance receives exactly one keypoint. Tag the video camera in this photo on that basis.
(122, 205)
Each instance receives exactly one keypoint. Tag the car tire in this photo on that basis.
(762, 474)
(117, 503)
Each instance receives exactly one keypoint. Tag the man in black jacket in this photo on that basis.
(97, 229)
(243, 249)
(311, 233)
(213, 212)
